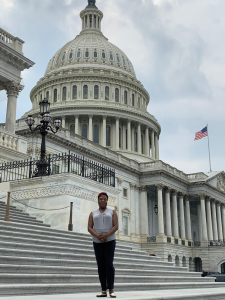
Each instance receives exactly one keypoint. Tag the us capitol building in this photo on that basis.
(92, 88)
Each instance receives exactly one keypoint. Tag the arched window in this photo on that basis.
(103, 54)
(111, 56)
(72, 128)
(135, 141)
(108, 138)
(96, 92)
(183, 261)
(78, 53)
(120, 137)
(47, 95)
(223, 268)
(85, 92)
(96, 133)
(132, 99)
(74, 92)
(118, 59)
(124, 63)
(71, 55)
(84, 131)
(95, 54)
(63, 57)
(106, 93)
(177, 261)
(170, 258)
(64, 94)
(87, 53)
(125, 97)
(55, 95)
(117, 95)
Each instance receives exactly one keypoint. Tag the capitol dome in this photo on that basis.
(92, 86)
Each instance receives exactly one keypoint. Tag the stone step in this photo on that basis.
(40, 269)
(16, 214)
(65, 278)
(11, 208)
(29, 222)
(81, 262)
(17, 218)
(48, 289)
(17, 225)
(72, 249)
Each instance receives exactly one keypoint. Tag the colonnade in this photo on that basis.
(211, 216)
(124, 134)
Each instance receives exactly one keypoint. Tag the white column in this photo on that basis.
(12, 88)
(104, 131)
(188, 217)
(203, 214)
(160, 210)
(209, 219)
(223, 220)
(153, 144)
(144, 211)
(63, 122)
(219, 222)
(214, 221)
(168, 213)
(147, 150)
(175, 216)
(132, 138)
(156, 146)
(90, 128)
(129, 135)
(199, 219)
(182, 222)
(139, 138)
(117, 133)
(77, 124)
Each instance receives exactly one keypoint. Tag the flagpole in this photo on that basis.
(209, 149)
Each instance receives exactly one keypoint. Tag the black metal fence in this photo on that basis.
(58, 164)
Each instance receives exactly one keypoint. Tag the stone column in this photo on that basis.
(182, 221)
(214, 221)
(199, 219)
(223, 220)
(188, 217)
(153, 144)
(203, 214)
(117, 133)
(209, 219)
(104, 131)
(147, 150)
(90, 128)
(156, 146)
(168, 213)
(160, 210)
(12, 89)
(139, 138)
(219, 222)
(175, 216)
(144, 213)
(63, 122)
(124, 136)
(77, 124)
(129, 135)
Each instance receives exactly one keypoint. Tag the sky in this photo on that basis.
(177, 48)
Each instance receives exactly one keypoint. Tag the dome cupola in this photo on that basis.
(91, 17)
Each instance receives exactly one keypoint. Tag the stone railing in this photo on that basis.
(13, 141)
(160, 165)
(11, 41)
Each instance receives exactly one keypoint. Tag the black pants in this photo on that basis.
(104, 253)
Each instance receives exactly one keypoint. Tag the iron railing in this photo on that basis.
(58, 164)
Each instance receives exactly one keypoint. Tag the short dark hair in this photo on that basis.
(103, 194)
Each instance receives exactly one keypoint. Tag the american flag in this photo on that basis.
(201, 134)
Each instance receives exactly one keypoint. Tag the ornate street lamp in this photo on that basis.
(43, 167)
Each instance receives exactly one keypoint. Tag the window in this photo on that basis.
(139, 102)
(47, 95)
(86, 53)
(55, 169)
(84, 131)
(111, 56)
(85, 92)
(90, 21)
(106, 93)
(125, 225)
(96, 92)
(135, 141)
(95, 54)
(103, 54)
(74, 92)
(78, 54)
(72, 128)
(96, 133)
(132, 99)
(125, 97)
(124, 192)
(117, 95)
(223, 268)
(55, 95)
(120, 137)
(124, 63)
(108, 140)
(118, 59)
(64, 94)
(71, 55)
(63, 57)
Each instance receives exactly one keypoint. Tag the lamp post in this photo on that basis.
(43, 167)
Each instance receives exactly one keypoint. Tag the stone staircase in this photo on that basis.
(35, 259)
